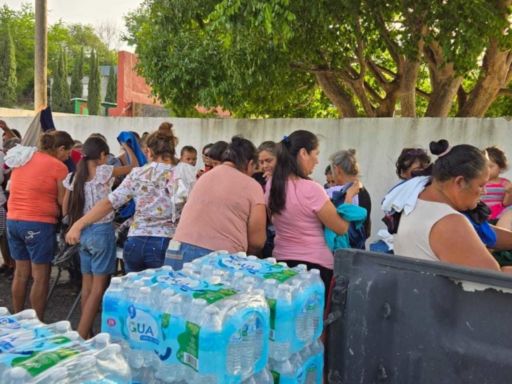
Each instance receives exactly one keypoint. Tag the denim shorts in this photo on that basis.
(98, 250)
(144, 252)
(32, 241)
(180, 253)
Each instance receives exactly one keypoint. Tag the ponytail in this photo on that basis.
(287, 165)
(163, 144)
(92, 150)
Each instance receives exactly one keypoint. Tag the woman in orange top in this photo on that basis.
(33, 211)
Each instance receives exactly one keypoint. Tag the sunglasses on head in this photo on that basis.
(416, 152)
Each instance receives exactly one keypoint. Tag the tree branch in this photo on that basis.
(505, 92)
(393, 48)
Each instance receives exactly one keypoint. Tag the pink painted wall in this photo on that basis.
(131, 88)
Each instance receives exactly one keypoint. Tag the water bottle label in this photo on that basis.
(188, 341)
(196, 288)
(248, 330)
(142, 327)
(236, 338)
(258, 268)
(41, 360)
(272, 304)
(312, 303)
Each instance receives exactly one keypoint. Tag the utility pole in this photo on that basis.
(41, 56)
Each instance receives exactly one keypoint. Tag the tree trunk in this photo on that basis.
(338, 95)
(407, 90)
(495, 75)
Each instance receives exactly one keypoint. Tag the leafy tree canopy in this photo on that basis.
(283, 58)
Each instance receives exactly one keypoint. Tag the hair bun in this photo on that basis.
(439, 147)
(165, 126)
(351, 152)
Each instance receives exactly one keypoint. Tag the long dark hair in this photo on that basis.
(91, 151)
(286, 165)
(50, 142)
(240, 152)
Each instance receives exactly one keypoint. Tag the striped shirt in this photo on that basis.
(495, 193)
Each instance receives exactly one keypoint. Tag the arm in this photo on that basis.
(100, 210)
(329, 217)
(506, 220)
(256, 229)
(61, 191)
(8, 133)
(65, 203)
(507, 199)
(134, 163)
(454, 241)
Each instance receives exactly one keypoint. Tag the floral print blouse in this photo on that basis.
(160, 192)
(96, 190)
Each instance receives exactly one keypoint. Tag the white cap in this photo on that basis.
(252, 258)
(168, 292)
(18, 373)
(242, 254)
(167, 268)
(315, 272)
(102, 338)
(28, 314)
(176, 299)
(211, 310)
(249, 280)
(58, 374)
(285, 287)
(149, 272)
(270, 282)
(131, 274)
(218, 272)
(239, 274)
(88, 360)
(116, 280)
(112, 350)
(188, 265)
(63, 326)
(223, 253)
(199, 302)
(4, 311)
(72, 335)
(207, 267)
(215, 280)
(258, 292)
(271, 260)
(145, 290)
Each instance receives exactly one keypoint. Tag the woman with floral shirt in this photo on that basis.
(160, 190)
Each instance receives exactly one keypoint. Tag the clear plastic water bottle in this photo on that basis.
(271, 260)
(111, 364)
(284, 369)
(248, 284)
(284, 322)
(206, 272)
(300, 268)
(210, 352)
(238, 280)
(258, 330)
(247, 347)
(101, 341)
(4, 312)
(233, 352)
(57, 375)
(84, 370)
(168, 372)
(264, 377)
(298, 367)
(298, 287)
(18, 376)
(196, 311)
(140, 358)
(252, 257)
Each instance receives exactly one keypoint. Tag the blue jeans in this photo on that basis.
(98, 249)
(32, 241)
(181, 253)
(144, 252)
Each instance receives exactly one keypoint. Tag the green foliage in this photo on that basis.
(8, 78)
(94, 90)
(73, 37)
(77, 75)
(60, 92)
(111, 96)
(265, 57)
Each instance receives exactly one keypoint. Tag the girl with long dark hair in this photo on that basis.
(300, 207)
(92, 183)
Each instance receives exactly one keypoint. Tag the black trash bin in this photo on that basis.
(397, 320)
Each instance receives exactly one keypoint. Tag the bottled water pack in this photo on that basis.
(295, 296)
(304, 367)
(181, 328)
(32, 352)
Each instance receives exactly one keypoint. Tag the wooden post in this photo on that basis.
(41, 56)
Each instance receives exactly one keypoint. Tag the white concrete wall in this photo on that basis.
(378, 141)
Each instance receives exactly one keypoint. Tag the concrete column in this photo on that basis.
(41, 56)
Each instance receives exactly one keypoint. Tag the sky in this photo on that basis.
(87, 12)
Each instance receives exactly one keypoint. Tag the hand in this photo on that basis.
(267, 174)
(200, 172)
(73, 235)
(353, 191)
(3, 124)
(508, 186)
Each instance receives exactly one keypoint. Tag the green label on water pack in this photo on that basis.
(188, 341)
(259, 268)
(276, 376)
(282, 276)
(39, 362)
(272, 304)
(166, 320)
(214, 296)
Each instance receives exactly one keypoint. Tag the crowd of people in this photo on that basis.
(258, 200)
